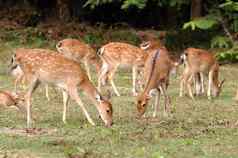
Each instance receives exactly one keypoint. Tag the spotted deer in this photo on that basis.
(151, 45)
(201, 62)
(115, 54)
(198, 78)
(157, 69)
(51, 67)
(79, 52)
(19, 76)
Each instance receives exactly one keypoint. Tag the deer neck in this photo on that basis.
(215, 76)
(98, 64)
(90, 91)
(152, 78)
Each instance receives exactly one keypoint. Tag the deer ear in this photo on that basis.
(145, 45)
(222, 82)
(98, 98)
(148, 96)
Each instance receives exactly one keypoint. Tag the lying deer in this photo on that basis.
(157, 69)
(8, 99)
(202, 62)
(114, 54)
(79, 51)
(50, 67)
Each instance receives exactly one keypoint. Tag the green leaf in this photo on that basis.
(220, 42)
(137, 3)
(201, 23)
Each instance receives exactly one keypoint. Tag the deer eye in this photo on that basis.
(143, 105)
(107, 110)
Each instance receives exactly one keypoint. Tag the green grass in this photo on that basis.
(197, 129)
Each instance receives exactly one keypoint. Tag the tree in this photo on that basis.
(63, 9)
(196, 9)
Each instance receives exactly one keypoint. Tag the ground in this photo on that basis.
(199, 128)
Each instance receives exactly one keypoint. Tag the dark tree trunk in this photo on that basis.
(196, 9)
(63, 10)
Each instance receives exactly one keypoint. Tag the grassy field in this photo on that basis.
(201, 128)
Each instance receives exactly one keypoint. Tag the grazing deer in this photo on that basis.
(198, 79)
(151, 45)
(17, 72)
(79, 51)
(8, 99)
(114, 54)
(50, 67)
(199, 61)
(157, 69)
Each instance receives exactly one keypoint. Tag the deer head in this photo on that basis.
(105, 110)
(142, 103)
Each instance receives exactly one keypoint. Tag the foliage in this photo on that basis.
(227, 56)
(140, 4)
(217, 13)
(201, 23)
(123, 35)
(220, 42)
(229, 5)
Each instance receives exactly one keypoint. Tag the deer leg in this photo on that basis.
(33, 85)
(65, 102)
(166, 100)
(110, 77)
(189, 81)
(183, 81)
(134, 74)
(16, 82)
(157, 103)
(102, 76)
(202, 83)
(74, 95)
(181, 90)
(210, 75)
(194, 83)
(87, 69)
(197, 83)
(47, 92)
(140, 79)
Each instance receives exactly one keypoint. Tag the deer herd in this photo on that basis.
(151, 67)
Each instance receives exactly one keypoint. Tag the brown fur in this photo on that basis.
(45, 66)
(10, 99)
(203, 62)
(114, 54)
(79, 51)
(157, 69)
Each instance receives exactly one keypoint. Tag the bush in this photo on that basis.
(228, 56)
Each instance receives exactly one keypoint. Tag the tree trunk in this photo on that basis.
(63, 9)
(196, 9)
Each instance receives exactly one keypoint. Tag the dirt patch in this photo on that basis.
(29, 132)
